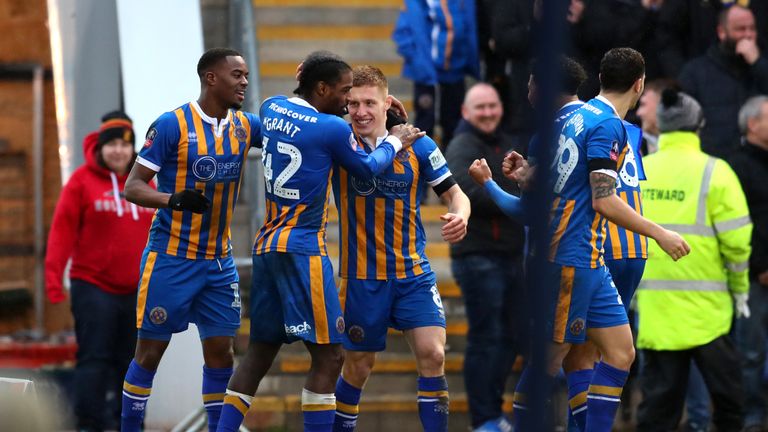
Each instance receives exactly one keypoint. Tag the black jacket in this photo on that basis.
(751, 166)
(488, 230)
(722, 83)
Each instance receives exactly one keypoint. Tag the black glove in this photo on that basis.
(393, 119)
(189, 199)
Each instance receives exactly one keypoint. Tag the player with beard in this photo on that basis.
(294, 295)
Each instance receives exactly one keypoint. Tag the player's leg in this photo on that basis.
(366, 306)
(608, 328)
(216, 311)
(167, 285)
(522, 420)
(578, 366)
(417, 310)
(267, 334)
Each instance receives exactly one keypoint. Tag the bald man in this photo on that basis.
(487, 264)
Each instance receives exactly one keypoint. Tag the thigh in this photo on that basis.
(266, 307)
(573, 290)
(417, 303)
(367, 305)
(96, 319)
(310, 299)
(216, 308)
(606, 308)
(167, 290)
(626, 275)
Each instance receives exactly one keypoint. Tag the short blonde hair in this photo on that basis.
(367, 75)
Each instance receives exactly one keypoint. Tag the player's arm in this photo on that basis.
(606, 202)
(455, 226)
(508, 203)
(344, 149)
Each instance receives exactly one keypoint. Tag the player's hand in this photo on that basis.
(575, 11)
(398, 107)
(673, 244)
(512, 164)
(480, 171)
(407, 134)
(455, 227)
(652, 4)
(747, 48)
(189, 200)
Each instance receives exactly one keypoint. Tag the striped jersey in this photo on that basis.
(190, 150)
(620, 243)
(593, 135)
(380, 228)
(300, 147)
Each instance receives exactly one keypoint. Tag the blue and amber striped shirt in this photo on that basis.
(620, 243)
(593, 136)
(300, 146)
(381, 234)
(189, 150)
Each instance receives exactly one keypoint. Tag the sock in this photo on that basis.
(233, 411)
(604, 397)
(319, 411)
(433, 403)
(520, 402)
(214, 385)
(136, 389)
(347, 406)
(578, 384)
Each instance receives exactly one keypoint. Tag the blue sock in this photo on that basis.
(347, 406)
(214, 385)
(136, 389)
(604, 397)
(578, 384)
(319, 411)
(520, 402)
(233, 411)
(433, 403)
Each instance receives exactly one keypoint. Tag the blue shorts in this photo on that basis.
(371, 307)
(294, 297)
(586, 298)
(175, 291)
(626, 274)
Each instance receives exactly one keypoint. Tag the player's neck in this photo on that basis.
(372, 137)
(622, 102)
(212, 109)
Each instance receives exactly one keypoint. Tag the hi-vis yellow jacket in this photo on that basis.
(688, 303)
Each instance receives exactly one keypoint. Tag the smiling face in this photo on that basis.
(231, 81)
(117, 154)
(482, 108)
(368, 107)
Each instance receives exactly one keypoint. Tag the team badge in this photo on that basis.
(240, 133)
(158, 315)
(340, 324)
(151, 134)
(577, 326)
(614, 151)
(356, 333)
(403, 155)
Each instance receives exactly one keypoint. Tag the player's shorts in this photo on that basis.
(175, 291)
(626, 274)
(294, 297)
(373, 306)
(586, 298)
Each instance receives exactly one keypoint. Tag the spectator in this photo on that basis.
(438, 42)
(723, 79)
(750, 163)
(103, 235)
(686, 28)
(487, 264)
(685, 308)
(646, 112)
